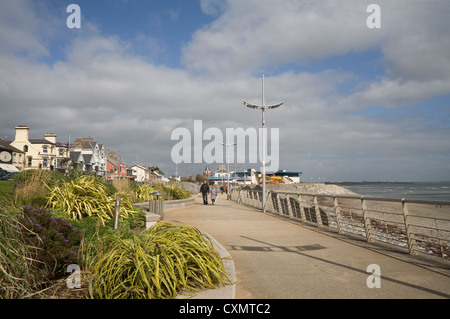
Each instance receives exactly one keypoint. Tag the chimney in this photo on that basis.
(78, 144)
(21, 133)
(51, 137)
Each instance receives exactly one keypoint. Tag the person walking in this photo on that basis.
(204, 189)
(213, 194)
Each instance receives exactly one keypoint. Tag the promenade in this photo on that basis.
(278, 258)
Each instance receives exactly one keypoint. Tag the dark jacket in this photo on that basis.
(204, 188)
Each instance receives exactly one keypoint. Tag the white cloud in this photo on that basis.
(105, 89)
(213, 7)
(253, 34)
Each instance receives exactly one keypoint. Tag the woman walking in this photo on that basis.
(213, 194)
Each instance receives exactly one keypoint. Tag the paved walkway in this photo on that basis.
(281, 259)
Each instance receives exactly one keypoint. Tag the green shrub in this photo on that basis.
(170, 192)
(17, 277)
(58, 239)
(158, 263)
(87, 196)
(31, 187)
(142, 193)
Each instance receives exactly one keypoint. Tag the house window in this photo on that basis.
(30, 161)
(25, 148)
(61, 152)
(45, 162)
(44, 150)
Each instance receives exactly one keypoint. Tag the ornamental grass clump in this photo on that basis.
(31, 186)
(158, 263)
(142, 193)
(17, 277)
(176, 192)
(88, 196)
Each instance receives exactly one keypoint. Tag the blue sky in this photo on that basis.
(360, 103)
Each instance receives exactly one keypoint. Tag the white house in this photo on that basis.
(142, 173)
(93, 155)
(44, 153)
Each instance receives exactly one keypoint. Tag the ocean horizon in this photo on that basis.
(438, 191)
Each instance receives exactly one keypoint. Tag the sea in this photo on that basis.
(437, 191)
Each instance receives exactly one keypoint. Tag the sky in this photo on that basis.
(366, 91)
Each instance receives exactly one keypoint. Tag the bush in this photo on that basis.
(31, 186)
(158, 263)
(58, 239)
(142, 193)
(17, 277)
(87, 196)
(176, 192)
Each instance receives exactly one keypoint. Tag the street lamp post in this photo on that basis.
(228, 168)
(263, 107)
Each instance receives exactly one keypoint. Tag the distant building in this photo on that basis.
(11, 158)
(142, 174)
(44, 153)
(89, 156)
(207, 172)
(116, 168)
(279, 177)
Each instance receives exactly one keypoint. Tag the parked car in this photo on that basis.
(3, 172)
(8, 176)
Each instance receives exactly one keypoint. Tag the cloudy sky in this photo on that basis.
(361, 103)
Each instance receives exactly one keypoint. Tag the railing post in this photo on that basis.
(411, 240)
(302, 209)
(337, 210)
(280, 209)
(269, 202)
(289, 206)
(266, 196)
(254, 199)
(317, 209)
(367, 225)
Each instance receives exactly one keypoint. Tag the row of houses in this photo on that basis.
(83, 154)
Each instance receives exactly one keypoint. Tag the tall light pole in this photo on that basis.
(263, 107)
(228, 169)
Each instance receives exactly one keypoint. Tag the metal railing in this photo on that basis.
(423, 227)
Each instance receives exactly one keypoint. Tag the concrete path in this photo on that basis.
(281, 259)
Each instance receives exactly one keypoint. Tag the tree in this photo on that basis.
(200, 178)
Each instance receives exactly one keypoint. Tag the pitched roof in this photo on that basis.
(7, 146)
(40, 141)
(76, 157)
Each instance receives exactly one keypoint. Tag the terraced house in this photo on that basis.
(44, 153)
(88, 155)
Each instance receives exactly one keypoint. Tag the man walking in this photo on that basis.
(204, 189)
